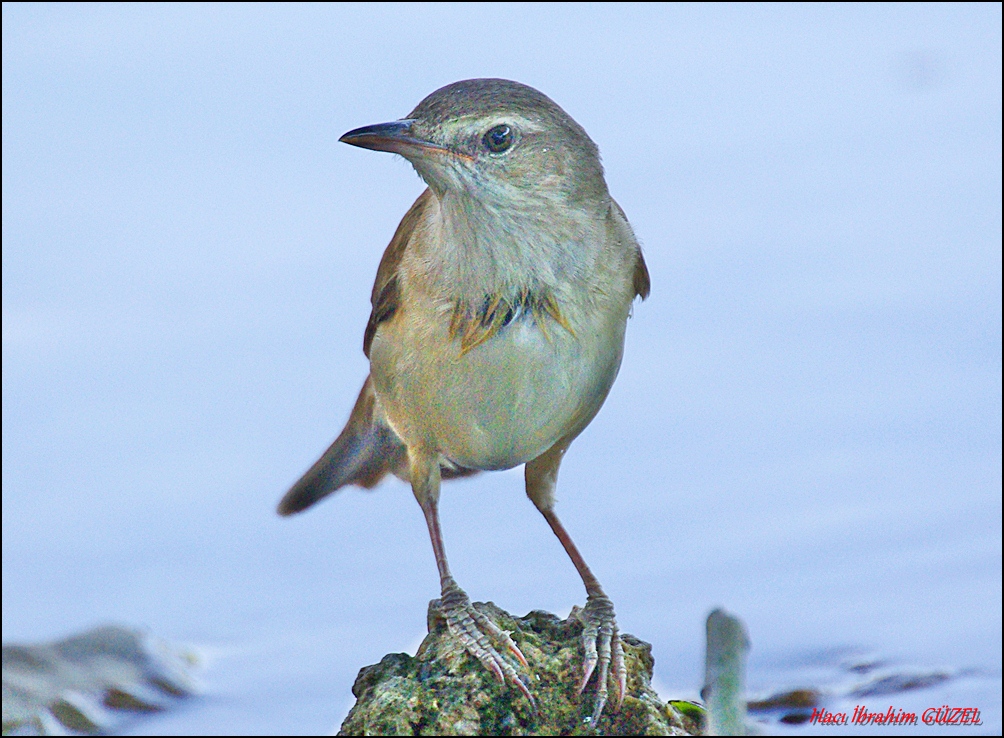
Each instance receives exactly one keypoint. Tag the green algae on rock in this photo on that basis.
(443, 691)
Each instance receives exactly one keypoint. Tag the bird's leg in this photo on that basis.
(471, 627)
(600, 637)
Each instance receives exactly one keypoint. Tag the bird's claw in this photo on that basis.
(475, 631)
(602, 645)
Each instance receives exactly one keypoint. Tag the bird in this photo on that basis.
(497, 329)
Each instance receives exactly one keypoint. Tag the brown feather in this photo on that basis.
(365, 451)
(474, 327)
(386, 295)
(551, 308)
(642, 283)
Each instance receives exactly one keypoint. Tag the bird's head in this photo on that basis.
(500, 142)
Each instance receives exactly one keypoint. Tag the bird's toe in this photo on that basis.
(481, 637)
(604, 653)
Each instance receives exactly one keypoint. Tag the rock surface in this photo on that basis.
(443, 691)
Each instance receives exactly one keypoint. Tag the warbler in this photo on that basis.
(496, 331)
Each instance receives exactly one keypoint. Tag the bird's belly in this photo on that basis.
(503, 402)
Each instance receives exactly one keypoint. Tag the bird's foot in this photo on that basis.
(476, 633)
(602, 644)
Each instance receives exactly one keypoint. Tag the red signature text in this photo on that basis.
(946, 715)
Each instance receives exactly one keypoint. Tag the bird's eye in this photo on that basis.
(498, 139)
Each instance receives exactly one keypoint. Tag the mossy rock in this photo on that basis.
(444, 691)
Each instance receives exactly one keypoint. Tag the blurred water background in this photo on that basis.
(806, 428)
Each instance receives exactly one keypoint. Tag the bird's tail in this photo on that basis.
(363, 454)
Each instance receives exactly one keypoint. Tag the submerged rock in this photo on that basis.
(88, 683)
(442, 690)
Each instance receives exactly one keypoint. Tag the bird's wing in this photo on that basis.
(386, 290)
(642, 282)
(367, 449)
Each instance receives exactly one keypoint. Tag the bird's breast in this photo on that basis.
(494, 383)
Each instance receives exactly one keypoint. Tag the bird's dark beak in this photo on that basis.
(395, 137)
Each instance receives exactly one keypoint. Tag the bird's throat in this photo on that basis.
(512, 256)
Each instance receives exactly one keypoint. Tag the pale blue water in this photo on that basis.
(807, 424)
